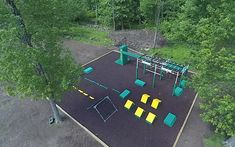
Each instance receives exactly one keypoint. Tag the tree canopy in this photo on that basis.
(209, 26)
(32, 61)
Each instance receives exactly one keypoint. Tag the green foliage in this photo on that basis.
(88, 35)
(18, 60)
(148, 9)
(215, 84)
(178, 53)
(168, 9)
(202, 22)
(106, 9)
(210, 25)
(213, 141)
(121, 12)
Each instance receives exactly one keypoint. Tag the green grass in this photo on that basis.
(213, 141)
(88, 35)
(178, 53)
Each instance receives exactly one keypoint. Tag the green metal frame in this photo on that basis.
(123, 59)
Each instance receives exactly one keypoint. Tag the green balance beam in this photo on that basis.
(140, 83)
(125, 94)
(88, 70)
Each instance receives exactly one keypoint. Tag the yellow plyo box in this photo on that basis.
(128, 104)
(150, 118)
(144, 98)
(155, 103)
(139, 112)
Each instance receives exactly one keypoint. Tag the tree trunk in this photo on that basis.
(96, 13)
(122, 25)
(114, 24)
(157, 21)
(55, 111)
(24, 36)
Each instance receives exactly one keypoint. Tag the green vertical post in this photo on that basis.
(176, 79)
(173, 90)
(161, 74)
(124, 58)
(144, 69)
(154, 75)
(136, 72)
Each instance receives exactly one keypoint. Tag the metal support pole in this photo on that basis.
(161, 74)
(176, 79)
(136, 72)
(154, 75)
(144, 68)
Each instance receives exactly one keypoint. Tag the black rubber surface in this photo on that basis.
(123, 129)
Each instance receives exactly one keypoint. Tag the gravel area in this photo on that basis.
(137, 39)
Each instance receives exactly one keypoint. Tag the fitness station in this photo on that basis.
(126, 92)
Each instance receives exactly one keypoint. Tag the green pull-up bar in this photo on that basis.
(130, 54)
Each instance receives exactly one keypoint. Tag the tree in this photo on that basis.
(148, 9)
(119, 13)
(32, 60)
(157, 21)
(215, 84)
(210, 27)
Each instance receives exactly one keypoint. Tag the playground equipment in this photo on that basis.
(144, 98)
(124, 55)
(155, 103)
(139, 112)
(96, 83)
(115, 90)
(150, 118)
(140, 83)
(88, 70)
(157, 66)
(102, 109)
(124, 94)
(101, 85)
(128, 104)
(84, 93)
(170, 119)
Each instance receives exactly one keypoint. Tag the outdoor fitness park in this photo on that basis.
(131, 100)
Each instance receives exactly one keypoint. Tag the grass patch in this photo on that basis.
(178, 53)
(213, 141)
(88, 35)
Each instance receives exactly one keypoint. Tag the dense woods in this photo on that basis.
(207, 26)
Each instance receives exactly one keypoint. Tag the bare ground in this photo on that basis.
(137, 39)
(23, 123)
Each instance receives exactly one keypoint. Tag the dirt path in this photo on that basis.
(84, 53)
(195, 130)
(23, 123)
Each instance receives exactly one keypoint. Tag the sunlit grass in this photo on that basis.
(88, 35)
(177, 53)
